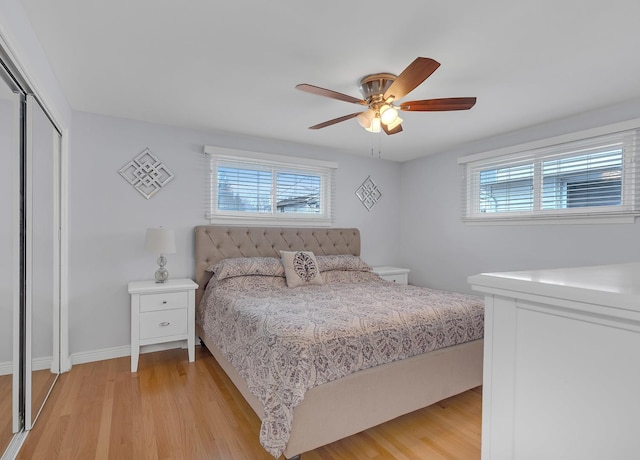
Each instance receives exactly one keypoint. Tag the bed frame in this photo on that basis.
(358, 401)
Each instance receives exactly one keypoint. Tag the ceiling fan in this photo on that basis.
(381, 90)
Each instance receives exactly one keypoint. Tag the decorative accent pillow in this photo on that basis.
(242, 266)
(300, 268)
(342, 262)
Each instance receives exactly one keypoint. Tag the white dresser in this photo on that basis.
(561, 363)
(162, 312)
(393, 274)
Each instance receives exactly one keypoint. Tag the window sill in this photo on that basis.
(552, 220)
(271, 221)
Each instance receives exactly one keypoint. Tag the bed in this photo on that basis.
(341, 405)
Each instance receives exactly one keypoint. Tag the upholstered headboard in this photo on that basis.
(214, 243)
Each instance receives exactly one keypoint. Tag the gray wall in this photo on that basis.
(108, 218)
(441, 251)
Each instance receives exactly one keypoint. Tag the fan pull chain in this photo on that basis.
(379, 137)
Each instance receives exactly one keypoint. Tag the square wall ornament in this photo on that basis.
(146, 174)
(368, 193)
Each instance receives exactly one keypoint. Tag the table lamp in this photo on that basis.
(161, 241)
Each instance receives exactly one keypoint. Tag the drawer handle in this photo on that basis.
(164, 323)
(164, 302)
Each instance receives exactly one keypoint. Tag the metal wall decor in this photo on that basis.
(368, 193)
(146, 174)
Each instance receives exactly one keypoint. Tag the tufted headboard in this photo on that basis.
(214, 243)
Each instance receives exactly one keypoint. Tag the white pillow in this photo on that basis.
(300, 268)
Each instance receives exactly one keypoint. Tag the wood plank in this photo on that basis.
(173, 409)
(6, 411)
(41, 382)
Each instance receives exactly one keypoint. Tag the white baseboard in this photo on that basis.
(37, 364)
(6, 368)
(119, 352)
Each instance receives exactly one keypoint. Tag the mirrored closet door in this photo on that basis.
(43, 258)
(11, 104)
(30, 158)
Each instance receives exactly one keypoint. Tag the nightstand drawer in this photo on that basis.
(163, 301)
(400, 278)
(163, 323)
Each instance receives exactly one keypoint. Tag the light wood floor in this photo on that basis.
(6, 428)
(41, 382)
(173, 409)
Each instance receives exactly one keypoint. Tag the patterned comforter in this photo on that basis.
(285, 341)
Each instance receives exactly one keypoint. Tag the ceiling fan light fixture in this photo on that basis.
(388, 114)
(381, 90)
(366, 118)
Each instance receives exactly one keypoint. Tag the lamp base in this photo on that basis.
(162, 274)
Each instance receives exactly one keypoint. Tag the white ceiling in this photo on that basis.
(232, 66)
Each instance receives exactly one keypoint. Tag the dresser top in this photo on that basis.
(616, 286)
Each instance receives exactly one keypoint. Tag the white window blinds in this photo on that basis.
(247, 187)
(594, 177)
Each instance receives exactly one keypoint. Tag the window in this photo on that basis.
(588, 178)
(249, 188)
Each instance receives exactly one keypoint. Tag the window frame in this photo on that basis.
(625, 134)
(218, 156)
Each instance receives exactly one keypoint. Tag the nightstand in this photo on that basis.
(162, 312)
(394, 274)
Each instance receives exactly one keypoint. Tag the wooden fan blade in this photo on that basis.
(417, 72)
(395, 130)
(439, 105)
(334, 121)
(329, 93)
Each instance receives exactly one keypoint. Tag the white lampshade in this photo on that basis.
(388, 114)
(394, 123)
(365, 118)
(160, 241)
(375, 126)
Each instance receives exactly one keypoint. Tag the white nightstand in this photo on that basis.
(394, 274)
(162, 312)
